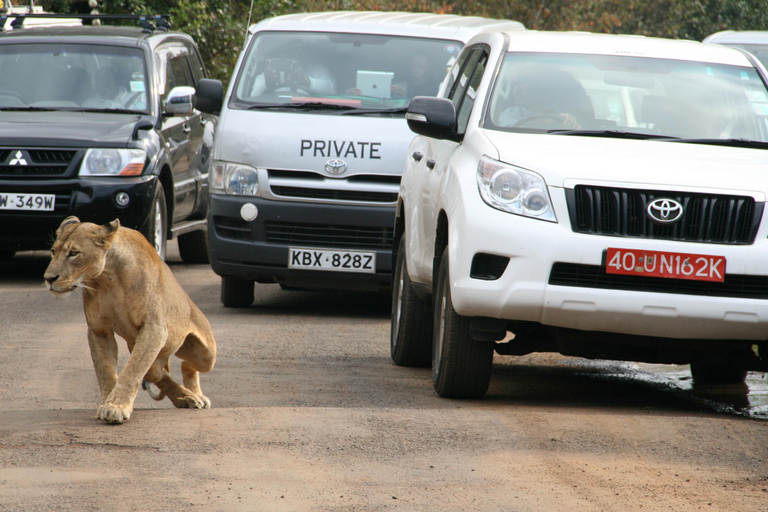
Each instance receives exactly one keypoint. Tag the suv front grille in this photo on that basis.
(35, 162)
(316, 235)
(708, 218)
(592, 276)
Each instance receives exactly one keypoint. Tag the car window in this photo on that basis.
(660, 97)
(467, 100)
(455, 71)
(71, 76)
(354, 70)
(196, 66)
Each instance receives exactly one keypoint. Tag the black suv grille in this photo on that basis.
(592, 276)
(35, 162)
(708, 218)
(315, 235)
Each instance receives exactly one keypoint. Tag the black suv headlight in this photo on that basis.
(113, 162)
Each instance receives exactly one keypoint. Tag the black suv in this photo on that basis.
(100, 122)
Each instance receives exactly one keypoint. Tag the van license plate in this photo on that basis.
(676, 265)
(326, 259)
(37, 202)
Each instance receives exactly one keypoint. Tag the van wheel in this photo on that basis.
(157, 227)
(193, 247)
(236, 293)
(705, 373)
(461, 366)
(412, 319)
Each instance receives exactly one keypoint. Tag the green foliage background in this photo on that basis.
(219, 25)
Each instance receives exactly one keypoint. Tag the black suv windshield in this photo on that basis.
(72, 77)
(373, 73)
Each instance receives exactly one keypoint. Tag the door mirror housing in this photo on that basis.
(432, 117)
(210, 96)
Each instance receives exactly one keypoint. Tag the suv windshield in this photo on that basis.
(628, 96)
(311, 71)
(72, 77)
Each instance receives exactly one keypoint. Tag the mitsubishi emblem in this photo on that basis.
(18, 159)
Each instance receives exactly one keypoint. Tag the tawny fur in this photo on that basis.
(129, 291)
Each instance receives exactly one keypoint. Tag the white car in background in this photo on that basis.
(595, 195)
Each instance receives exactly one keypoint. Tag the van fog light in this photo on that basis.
(249, 212)
(122, 199)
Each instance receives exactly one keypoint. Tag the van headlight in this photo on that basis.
(514, 190)
(234, 179)
(113, 162)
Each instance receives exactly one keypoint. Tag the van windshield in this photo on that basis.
(626, 95)
(340, 70)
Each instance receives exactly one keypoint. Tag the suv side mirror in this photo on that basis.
(180, 101)
(210, 94)
(432, 117)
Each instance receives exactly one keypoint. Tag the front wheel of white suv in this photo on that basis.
(461, 366)
(411, 332)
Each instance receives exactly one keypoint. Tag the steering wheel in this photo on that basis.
(533, 118)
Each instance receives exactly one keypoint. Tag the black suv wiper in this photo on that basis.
(29, 109)
(615, 134)
(363, 112)
(736, 143)
(309, 105)
(109, 110)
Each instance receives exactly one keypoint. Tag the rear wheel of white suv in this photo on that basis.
(411, 332)
(461, 366)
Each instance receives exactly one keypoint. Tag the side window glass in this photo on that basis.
(180, 71)
(455, 71)
(470, 92)
(196, 65)
(462, 80)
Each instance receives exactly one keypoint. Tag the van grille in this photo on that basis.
(708, 218)
(317, 235)
(311, 186)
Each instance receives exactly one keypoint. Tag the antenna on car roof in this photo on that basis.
(149, 23)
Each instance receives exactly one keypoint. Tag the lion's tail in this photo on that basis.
(160, 394)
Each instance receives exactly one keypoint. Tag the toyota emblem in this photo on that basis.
(664, 210)
(336, 166)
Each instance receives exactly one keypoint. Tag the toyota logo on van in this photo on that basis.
(665, 210)
(336, 166)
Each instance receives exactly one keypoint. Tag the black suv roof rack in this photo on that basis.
(149, 23)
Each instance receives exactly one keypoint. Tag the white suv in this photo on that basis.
(598, 196)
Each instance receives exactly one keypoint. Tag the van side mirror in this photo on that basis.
(210, 96)
(180, 101)
(432, 117)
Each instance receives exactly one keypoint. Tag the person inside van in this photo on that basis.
(288, 74)
(421, 80)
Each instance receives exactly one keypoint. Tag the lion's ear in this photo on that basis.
(66, 222)
(106, 233)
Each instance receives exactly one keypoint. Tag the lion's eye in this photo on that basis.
(72, 254)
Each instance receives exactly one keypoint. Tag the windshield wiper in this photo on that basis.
(736, 143)
(363, 112)
(310, 105)
(29, 109)
(615, 134)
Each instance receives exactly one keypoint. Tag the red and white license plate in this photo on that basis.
(675, 265)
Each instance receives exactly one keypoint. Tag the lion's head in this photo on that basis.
(78, 254)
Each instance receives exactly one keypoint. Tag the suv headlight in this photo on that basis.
(234, 179)
(514, 190)
(113, 162)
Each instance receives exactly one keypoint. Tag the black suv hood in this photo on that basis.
(68, 129)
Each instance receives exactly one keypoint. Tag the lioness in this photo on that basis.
(128, 290)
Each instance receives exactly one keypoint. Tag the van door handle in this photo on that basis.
(418, 155)
(431, 164)
(185, 128)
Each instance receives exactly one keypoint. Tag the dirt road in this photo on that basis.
(310, 414)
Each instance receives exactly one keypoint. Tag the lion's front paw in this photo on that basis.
(112, 413)
(192, 401)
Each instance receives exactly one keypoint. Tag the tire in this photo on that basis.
(412, 320)
(707, 373)
(193, 247)
(236, 293)
(157, 227)
(461, 366)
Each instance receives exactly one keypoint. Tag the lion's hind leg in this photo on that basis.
(179, 395)
(198, 353)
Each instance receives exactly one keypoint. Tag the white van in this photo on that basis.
(312, 141)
